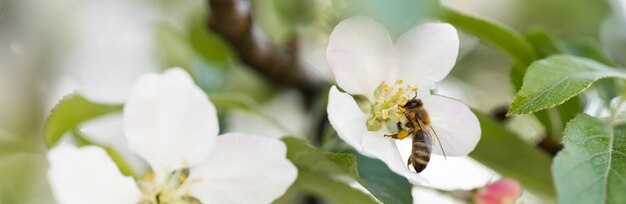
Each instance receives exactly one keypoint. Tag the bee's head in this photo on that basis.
(413, 103)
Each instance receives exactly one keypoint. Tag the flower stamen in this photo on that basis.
(174, 189)
(389, 102)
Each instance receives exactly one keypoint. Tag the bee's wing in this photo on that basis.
(456, 126)
(431, 133)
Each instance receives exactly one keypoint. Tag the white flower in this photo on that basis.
(171, 123)
(383, 77)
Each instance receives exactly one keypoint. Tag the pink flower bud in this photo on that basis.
(503, 191)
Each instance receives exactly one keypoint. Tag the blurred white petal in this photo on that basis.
(426, 54)
(244, 168)
(88, 175)
(423, 195)
(346, 117)
(170, 121)
(449, 173)
(455, 124)
(453, 173)
(109, 130)
(288, 117)
(360, 53)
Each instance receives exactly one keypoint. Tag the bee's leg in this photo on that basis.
(409, 162)
(408, 125)
(399, 124)
(401, 135)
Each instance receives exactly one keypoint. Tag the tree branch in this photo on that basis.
(231, 20)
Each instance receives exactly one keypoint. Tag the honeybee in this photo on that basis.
(418, 125)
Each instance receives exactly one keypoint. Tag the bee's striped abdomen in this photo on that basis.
(420, 153)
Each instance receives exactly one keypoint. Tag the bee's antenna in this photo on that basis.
(414, 97)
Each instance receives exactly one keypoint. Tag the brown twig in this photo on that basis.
(550, 145)
(231, 19)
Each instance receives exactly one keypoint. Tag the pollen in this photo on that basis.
(389, 101)
(196, 180)
(182, 178)
(175, 188)
(149, 176)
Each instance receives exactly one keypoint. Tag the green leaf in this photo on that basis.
(554, 80)
(24, 178)
(334, 191)
(507, 154)
(319, 173)
(269, 20)
(70, 112)
(592, 166)
(554, 119)
(383, 183)
(502, 37)
(173, 49)
(588, 49)
(206, 43)
(294, 13)
(386, 185)
(568, 110)
(307, 157)
(119, 160)
(517, 76)
(543, 42)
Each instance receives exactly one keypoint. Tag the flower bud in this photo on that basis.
(503, 191)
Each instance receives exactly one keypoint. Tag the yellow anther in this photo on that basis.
(149, 176)
(182, 178)
(386, 87)
(196, 180)
(400, 90)
(389, 99)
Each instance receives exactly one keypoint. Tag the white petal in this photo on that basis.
(169, 121)
(244, 168)
(456, 173)
(109, 130)
(346, 117)
(359, 53)
(425, 195)
(288, 107)
(455, 124)
(385, 149)
(285, 115)
(245, 121)
(88, 175)
(427, 53)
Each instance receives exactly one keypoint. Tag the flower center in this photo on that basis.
(388, 105)
(174, 190)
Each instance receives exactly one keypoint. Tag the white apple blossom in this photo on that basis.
(171, 123)
(378, 78)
